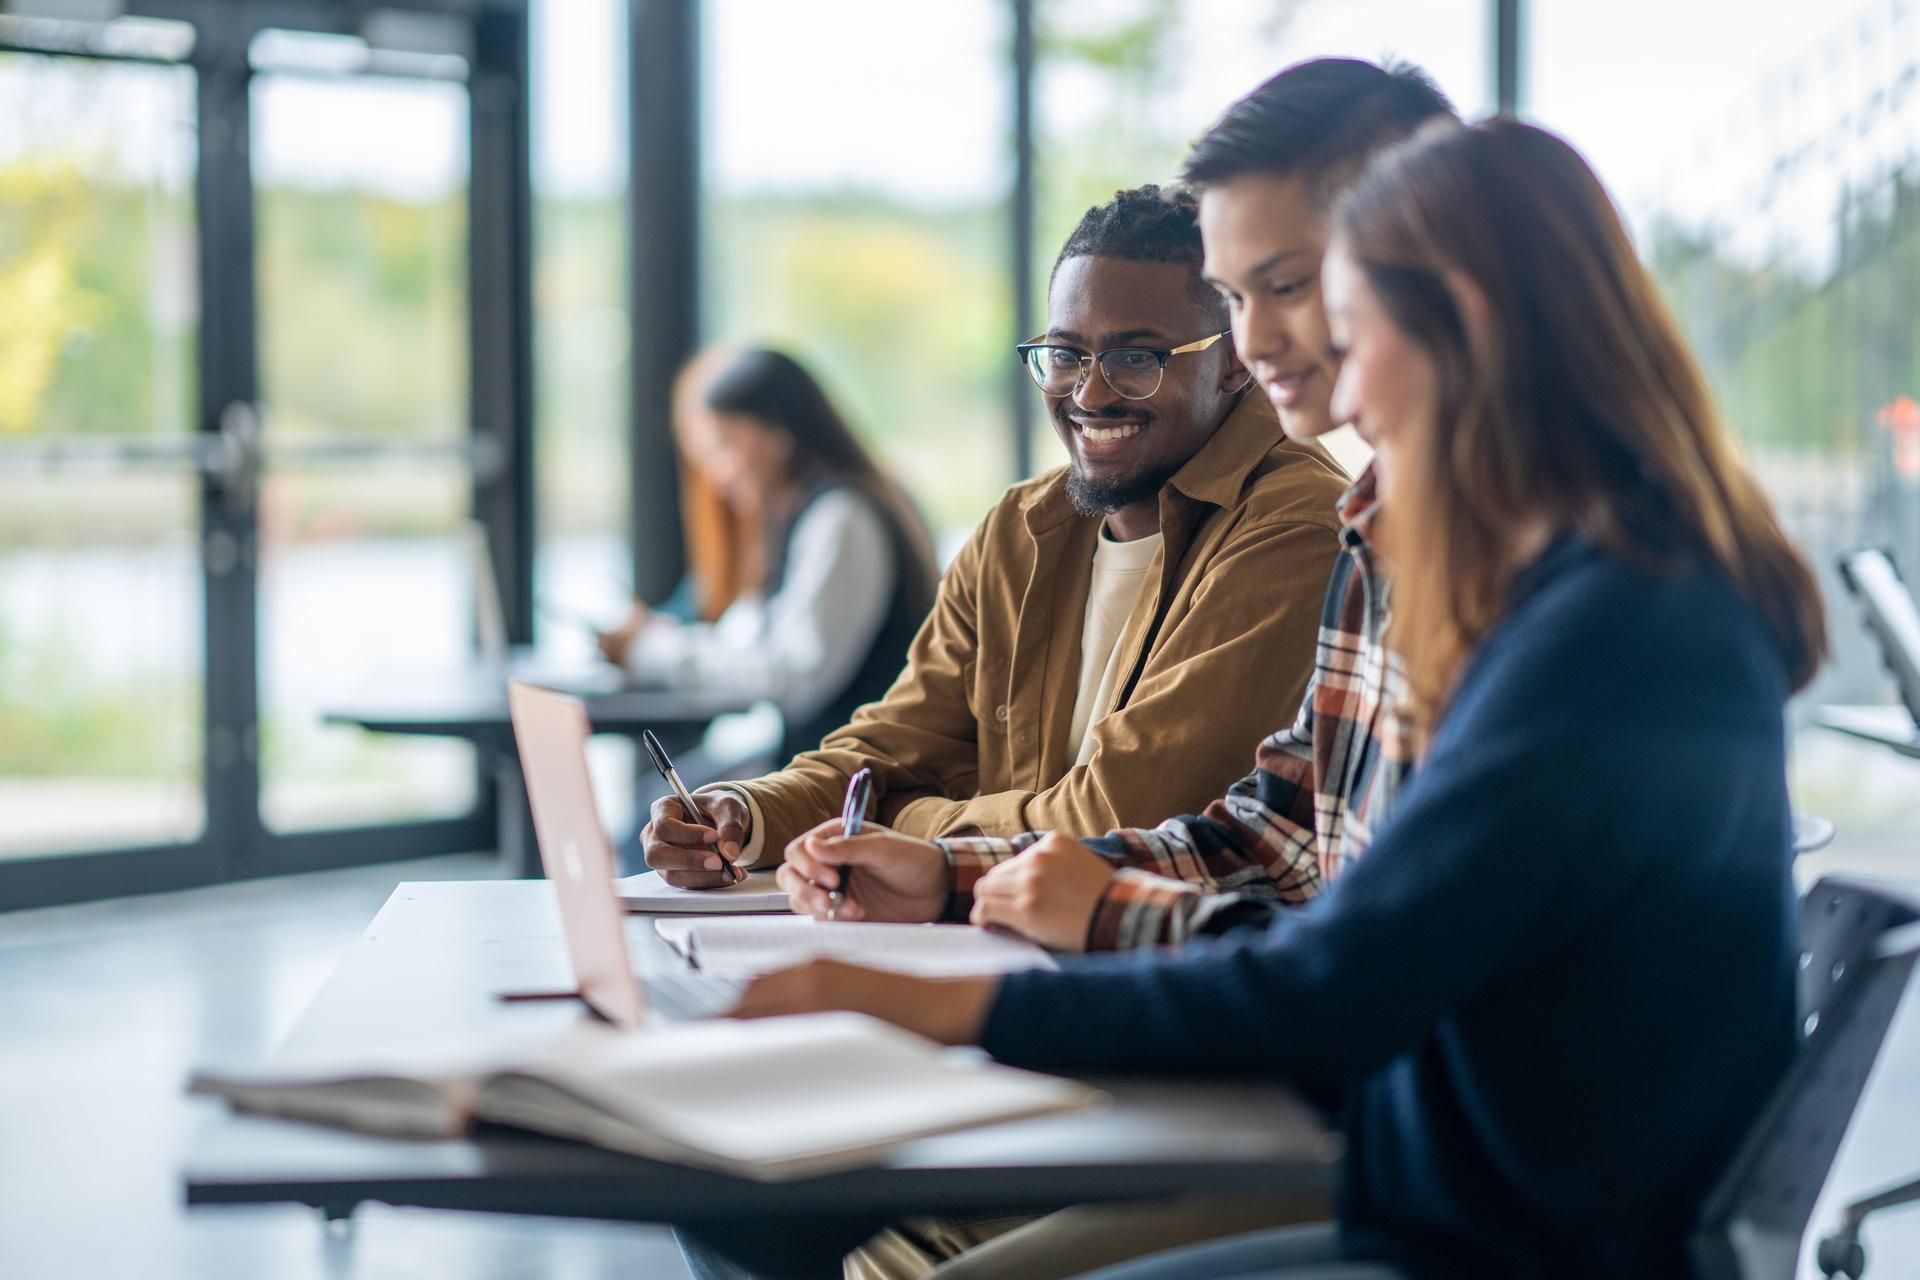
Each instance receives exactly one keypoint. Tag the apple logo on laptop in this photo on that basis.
(570, 859)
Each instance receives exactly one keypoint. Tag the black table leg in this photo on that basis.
(513, 821)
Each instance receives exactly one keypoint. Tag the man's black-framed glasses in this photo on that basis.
(1133, 372)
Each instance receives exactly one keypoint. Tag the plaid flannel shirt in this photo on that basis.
(1319, 787)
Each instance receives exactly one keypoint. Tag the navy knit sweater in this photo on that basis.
(1556, 992)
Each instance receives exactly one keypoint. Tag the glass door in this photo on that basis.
(366, 576)
(264, 359)
(102, 657)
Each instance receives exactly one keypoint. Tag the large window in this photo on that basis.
(856, 216)
(361, 251)
(100, 633)
(243, 431)
(1772, 189)
(857, 199)
(1122, 87)
(581, 324)
(583, 568)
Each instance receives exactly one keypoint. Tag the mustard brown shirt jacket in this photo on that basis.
(972, 739)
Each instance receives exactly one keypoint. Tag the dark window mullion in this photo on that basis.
(663, 268)
(500, 307)
(1020, 210)
(229, 385)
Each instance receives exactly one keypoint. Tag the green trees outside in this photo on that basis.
(902, 307)
(363, 314)
(95, 335)
(1804, 354)
(901, 311)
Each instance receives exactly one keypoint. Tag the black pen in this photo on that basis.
(664, 763)
(852, 814)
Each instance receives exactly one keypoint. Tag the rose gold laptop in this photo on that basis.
(551, 732)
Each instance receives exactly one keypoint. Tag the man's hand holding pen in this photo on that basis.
(693, 841)
(900, 878)
(853, 814)
(694, 852)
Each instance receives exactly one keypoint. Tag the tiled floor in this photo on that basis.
(103, 1009)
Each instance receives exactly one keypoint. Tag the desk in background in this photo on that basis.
(473, 705)
(429, 967)
(1889, 726)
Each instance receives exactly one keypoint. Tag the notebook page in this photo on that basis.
(746, 948)
(759, 893)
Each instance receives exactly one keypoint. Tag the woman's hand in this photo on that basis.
(950, 1010)
(1048, 893)
(894, 877)
(614, 643)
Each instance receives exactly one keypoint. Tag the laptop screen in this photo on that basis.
(551, 731)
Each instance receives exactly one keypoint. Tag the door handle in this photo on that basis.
(234, 458)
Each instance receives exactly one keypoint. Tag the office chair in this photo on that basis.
(1890, 614)
(1857, 950)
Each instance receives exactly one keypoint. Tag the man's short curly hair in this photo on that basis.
(1148, 223)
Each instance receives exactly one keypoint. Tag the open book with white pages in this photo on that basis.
(851, 1088)
(748, 948)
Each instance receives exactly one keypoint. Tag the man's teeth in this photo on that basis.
(1104, 435)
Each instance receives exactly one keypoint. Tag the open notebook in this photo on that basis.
(849, 1088)
(745, 948)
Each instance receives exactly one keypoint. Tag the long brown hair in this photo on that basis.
(728, 553)
(776, 390)
(722, 545)
(1570, 399)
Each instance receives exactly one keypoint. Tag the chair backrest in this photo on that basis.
(1891, 614)
(1857, 949)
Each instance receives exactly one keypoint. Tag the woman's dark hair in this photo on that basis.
(773, 388)
(1567, 395)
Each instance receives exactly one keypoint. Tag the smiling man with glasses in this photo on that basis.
(1115, 474)
(1118, 633)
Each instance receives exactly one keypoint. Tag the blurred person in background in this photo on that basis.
(812, 570)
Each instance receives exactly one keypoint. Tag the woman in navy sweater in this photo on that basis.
(1551, 1000)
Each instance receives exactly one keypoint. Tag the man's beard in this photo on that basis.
(1097, 497)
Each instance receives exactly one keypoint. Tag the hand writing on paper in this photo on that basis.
(686, 852)
(1047, 893)
(896, 877)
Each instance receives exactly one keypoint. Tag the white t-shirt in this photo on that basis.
(1118, 570)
